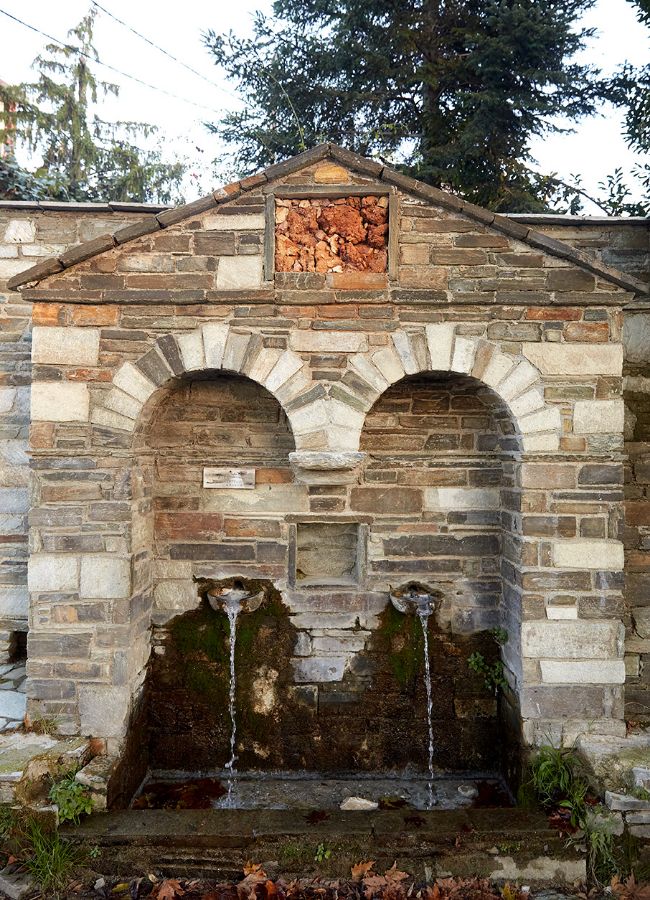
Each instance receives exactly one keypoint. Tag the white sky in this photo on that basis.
(594, 150)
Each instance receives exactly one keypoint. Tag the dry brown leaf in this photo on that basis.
(360, 870)
(394, 874)
(170, 889)
(251, 868)
(629, 889)
(372, 884)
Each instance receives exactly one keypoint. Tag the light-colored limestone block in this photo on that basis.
(584, 671)
(265, 498)
(462, 358)
(546, 442)
(60, 401)
(122, 403)
(370, 373)
(328, 341)
(238, 273)
(598, 417)
(344, 415)
(580, 639)
(440, 339)
(561, 611)
(319, 669)
(340, 437)
(260, 366)
(108, 418)
(233, 354)
(132, 381)
(286, 366)
(243, 222)
(497, 369)
(191, 347)
(179, 594)
(461, 498)
(7, 398)
(575, 359)
(389, 364)
(517, 380)
(405, 351)
(604, 555)
(527, 403)
(20, 231)
(215, 335)
(330, 173)
(548, 419)
(310, 417)
(69, 346)
(104, 710)
(105, 577)
(52, 572)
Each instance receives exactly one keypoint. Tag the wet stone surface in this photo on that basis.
(12, 695)
(306, 791)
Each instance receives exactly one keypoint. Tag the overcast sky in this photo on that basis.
(594, 150)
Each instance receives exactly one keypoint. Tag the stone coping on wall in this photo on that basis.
(153, 223)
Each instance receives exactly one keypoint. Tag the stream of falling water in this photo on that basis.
(424, 611)
(232, 608)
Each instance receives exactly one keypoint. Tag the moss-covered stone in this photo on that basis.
(374, 719)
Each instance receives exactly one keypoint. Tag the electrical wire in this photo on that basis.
(99, 62)
(162, 49)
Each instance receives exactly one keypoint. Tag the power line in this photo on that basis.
(162, 49)
(99, 62)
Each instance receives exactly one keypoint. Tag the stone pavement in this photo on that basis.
(12, 695)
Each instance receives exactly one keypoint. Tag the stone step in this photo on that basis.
(504, 844)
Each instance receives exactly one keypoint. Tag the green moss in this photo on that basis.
(404, 644)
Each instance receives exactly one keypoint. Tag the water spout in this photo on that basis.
(421, 600)
(233, 601)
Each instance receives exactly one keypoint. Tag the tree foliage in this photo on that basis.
(83, 156)
(450, 90)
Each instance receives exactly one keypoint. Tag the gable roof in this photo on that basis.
(154, 223)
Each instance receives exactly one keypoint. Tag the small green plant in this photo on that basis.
(601, 860)
(7, 821)
(492, 672)
(72, 799)
(500, 635)
(322, 853)
(50, 859)
(640, 793)
(44, 725)
(559, 780)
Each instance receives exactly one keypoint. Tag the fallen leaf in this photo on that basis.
(394, 874)
(360, 870)
(251, 868)
(372, 884)
(170, 889)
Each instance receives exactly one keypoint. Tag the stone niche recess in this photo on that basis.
(346, 234)
(327, 553)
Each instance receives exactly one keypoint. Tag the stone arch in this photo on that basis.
(214, 346)
(438, 347)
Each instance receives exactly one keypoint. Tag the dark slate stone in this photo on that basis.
(169, 349)
(154, 367)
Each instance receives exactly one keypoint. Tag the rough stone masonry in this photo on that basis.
(450, 409)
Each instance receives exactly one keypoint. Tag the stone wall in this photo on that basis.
(28, 233)
(195, 297)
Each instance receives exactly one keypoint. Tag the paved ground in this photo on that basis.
(12, 695)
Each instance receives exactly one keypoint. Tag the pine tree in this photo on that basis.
(451, 90)
(83, 156)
